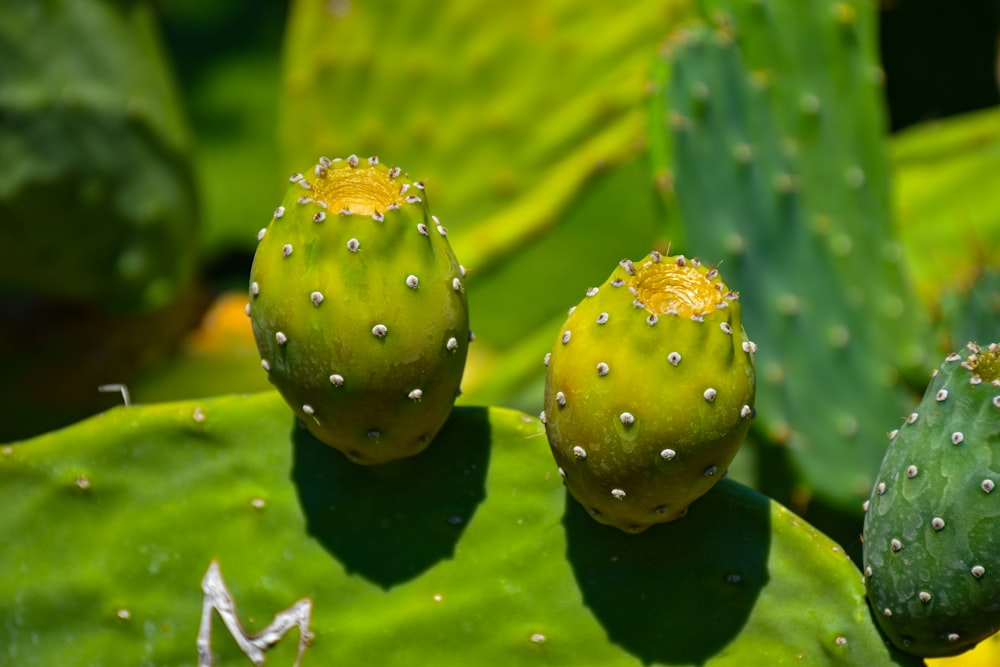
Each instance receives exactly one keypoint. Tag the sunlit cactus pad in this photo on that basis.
(466, 554)
(359, 310)
(649, 391)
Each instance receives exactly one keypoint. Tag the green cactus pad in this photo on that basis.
(776, 134)
(932, 530)
(649, 391)
(359, 309)
(470, 553)
(96, 180)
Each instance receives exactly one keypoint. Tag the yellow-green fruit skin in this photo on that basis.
(359, 310)
(644, 410)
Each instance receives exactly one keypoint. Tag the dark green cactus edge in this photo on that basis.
(94, 150)
(466, 554)
(99, 246)
(774, 147)
(931, 530)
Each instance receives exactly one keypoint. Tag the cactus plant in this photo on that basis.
(930, 550)
(776, 158)
(359, 309)
(649, 391)
(529, 127)
(131, 534)
(470, 553)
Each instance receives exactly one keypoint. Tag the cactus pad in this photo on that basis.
(649, 391)
(359, 310)
(779, 165)
(467, 554)
(932, 555)
(94, 148)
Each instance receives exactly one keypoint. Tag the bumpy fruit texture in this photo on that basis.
(359, 310)
(932, 530)
(649, 391)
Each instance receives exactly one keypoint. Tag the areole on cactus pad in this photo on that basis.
(359, 310)
(649, 391)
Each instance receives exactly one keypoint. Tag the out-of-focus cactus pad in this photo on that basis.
(96, 183)
(780, 171)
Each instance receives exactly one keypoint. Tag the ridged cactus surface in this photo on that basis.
(776, 156)
(469, 553)
(932, 530)
(96, 184)
(359, 310)
(649, 391)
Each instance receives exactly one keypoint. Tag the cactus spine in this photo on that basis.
(359, 309)
(649, 391)
(932, 530)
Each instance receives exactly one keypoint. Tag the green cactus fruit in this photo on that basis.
(649, 391)
(359, 310)
(932, 528)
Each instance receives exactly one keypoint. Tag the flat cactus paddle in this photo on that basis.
(775, 139)
(359, 310)
(649, 391)
(131, 536)
(932, 529)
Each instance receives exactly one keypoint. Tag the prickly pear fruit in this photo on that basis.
(358, 309)
(649, 391)
(932, 527)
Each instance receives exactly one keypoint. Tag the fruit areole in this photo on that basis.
(359, 309)
(649, 391)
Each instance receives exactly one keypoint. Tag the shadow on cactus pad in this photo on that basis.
(109, 526)
(390, 523)
(679, 592)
